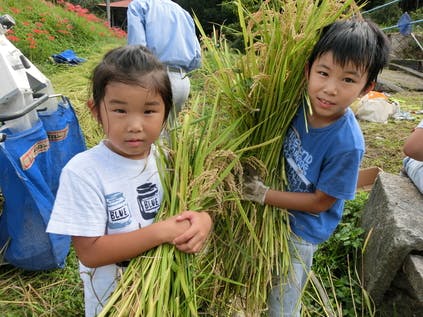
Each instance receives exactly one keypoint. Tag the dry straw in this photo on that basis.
(258, 94)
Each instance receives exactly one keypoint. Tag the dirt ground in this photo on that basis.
(384, 141)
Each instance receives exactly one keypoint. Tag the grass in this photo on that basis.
(59, 292)
(384, 141)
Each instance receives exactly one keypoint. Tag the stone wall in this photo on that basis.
(393, 258)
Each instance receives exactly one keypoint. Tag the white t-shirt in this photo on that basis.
(100, 193)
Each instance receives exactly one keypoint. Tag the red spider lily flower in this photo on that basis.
(13, 38)
(32, 42)
(26, 23)
(15, 10)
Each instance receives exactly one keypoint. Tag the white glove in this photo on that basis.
(253, 189)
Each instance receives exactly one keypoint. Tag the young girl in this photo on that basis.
(109, 195)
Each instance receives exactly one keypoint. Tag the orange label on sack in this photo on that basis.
(58, 135)
(28, 158)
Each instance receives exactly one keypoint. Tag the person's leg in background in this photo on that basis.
(414, 170)
(181, 86)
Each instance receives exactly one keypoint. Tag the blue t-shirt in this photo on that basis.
(327, 159)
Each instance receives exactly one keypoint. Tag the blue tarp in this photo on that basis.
(67, 57)
(404, 24)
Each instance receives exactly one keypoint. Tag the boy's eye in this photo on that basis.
(322, 73)
(349, 80)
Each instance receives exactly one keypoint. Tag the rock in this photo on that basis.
(393, 216)
(397, 78)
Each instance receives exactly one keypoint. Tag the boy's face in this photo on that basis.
(333, 88)
(132, 118)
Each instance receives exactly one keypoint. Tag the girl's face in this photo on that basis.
(132, 118)
(332, 89)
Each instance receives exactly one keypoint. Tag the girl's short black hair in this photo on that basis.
(132, 65)
(355, 41)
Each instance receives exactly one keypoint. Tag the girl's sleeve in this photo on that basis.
(79, 208)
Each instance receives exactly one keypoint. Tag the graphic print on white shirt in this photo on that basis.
(118, 212)
(298, 162)
(148, 200)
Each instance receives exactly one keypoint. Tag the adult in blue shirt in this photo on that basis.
(168, 31)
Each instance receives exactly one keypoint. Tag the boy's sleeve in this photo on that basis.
(340, 174)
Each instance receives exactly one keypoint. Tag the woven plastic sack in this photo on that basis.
(30, 166)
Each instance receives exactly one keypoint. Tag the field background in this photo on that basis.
(59, 292)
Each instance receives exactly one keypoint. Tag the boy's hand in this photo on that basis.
(193, 239)
(253, 188)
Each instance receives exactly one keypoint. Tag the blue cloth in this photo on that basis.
(31, 162)
(67, 57)
(404, 24)
(326, 159)
(167, 30)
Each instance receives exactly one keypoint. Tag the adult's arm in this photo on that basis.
(413, 146)
(136, 24)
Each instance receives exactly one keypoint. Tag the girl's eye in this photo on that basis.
(322, 73)
(119, 111)
(149, 111)
(349, 80)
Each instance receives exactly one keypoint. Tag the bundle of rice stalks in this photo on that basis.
(258, 94)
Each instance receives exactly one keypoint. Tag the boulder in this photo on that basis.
(392, 262)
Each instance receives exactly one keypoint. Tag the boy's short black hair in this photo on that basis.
(356, 41)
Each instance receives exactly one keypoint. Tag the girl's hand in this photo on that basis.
(173, 227)
(193, 239)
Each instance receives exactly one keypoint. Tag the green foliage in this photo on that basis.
(386, 16)
(43, 29)
(337, 260)
(347, 238)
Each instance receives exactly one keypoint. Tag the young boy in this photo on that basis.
(323, 148)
